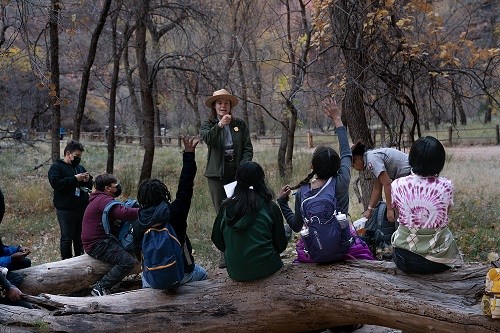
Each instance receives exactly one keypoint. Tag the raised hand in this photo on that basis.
(190, 143)
(331, 109)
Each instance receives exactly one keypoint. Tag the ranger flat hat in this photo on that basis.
(221, 94)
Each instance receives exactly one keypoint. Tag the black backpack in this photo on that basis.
(379, 231)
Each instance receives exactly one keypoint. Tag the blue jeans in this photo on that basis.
(198, 274)
(70, 223)
(410, 262)
(110, 252)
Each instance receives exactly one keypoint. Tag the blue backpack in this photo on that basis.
(125, 234)
(162, 260)
(326, 240)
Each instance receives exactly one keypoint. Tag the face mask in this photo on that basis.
(118, 191)
(76, 161)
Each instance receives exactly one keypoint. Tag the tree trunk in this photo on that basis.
(356, 292)
(348, 18)
(116, 55)
(54, 79)
(65, 276)
(148, 109)
(82, 95)
(134, 102)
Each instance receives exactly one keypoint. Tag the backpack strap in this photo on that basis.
(314, 196)
(105, 215)
(382, 208)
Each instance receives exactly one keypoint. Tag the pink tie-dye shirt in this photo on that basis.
(422, 202)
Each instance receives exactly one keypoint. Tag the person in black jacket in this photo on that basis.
(71, 184)
(157, 209)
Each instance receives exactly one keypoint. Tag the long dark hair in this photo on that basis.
(325, 164)
(246, 199)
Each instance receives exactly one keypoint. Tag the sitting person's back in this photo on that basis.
(423, 243)
(249, 227)
(157, 210)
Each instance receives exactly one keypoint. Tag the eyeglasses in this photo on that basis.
(116, 185)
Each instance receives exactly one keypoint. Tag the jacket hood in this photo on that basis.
(239, 223)
(154, 215)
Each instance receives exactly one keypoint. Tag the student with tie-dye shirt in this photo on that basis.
(423, 243)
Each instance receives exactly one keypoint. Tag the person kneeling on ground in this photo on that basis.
(249, 228)
(97, 243)
(158, 210)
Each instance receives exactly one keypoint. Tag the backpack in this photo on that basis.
(162, 261)
(125, 234)
(326, 240)
(379, 231)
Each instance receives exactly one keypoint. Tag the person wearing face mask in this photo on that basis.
(100, 245)
(71, 184)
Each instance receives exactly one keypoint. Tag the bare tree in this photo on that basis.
(54, 77)
(146, 85)
(82, 96)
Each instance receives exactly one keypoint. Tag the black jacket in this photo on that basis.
(63, 181)
(175, 213)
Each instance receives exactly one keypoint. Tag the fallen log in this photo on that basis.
(299, 298)
(65, 276)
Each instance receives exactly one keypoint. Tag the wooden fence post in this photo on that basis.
(310, 143)
(497, 128)
(450, 134)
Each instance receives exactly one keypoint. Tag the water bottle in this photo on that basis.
(342, 218)
(305, 231)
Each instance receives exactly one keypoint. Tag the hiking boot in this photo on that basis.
(98, 290)
(222, 261)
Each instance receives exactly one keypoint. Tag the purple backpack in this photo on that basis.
(326, 241)
(358, 250)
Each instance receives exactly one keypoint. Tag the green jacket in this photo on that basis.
(213, 136)
(252, 244)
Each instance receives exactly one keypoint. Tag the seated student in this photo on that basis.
(12, 257)
(100, 245)
(157, 210)
(11, 295)
(249, 227)
(328, 171)
(423, 243)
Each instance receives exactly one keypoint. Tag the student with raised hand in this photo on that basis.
(249, 228)
(386, 164)
(325, 163)
(158, 208)
(423, 242)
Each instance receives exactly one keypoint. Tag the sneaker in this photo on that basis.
(98, 290)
